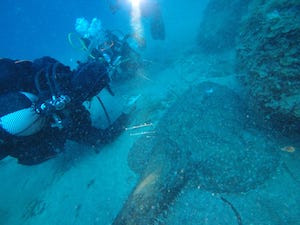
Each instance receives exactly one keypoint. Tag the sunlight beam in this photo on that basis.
(135, 22)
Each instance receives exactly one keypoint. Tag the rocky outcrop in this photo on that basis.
(268, 61)
(219, 25)
(208, 138)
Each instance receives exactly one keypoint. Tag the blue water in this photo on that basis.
(82, 187)
(33, 28)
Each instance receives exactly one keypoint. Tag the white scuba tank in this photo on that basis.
(23, 122)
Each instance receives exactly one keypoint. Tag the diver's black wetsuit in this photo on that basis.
(60, 93)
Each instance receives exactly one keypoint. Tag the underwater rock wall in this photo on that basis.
(268, 57)
(219, 25)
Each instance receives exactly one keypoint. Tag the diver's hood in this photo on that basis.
(17, 116)
(89, 79)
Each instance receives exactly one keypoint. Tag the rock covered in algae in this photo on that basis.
(208, 137)
(268, 59)
(211, 126)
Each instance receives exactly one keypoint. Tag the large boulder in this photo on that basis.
(207, 137)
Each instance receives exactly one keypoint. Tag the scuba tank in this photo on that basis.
(20, 111)
(17, 114)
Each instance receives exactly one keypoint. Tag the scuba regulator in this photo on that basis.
(52, 97)
(52, 105)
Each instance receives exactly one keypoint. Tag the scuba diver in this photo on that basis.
(149, 9)
(116, 51)
(110, 46)
(43, 103)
